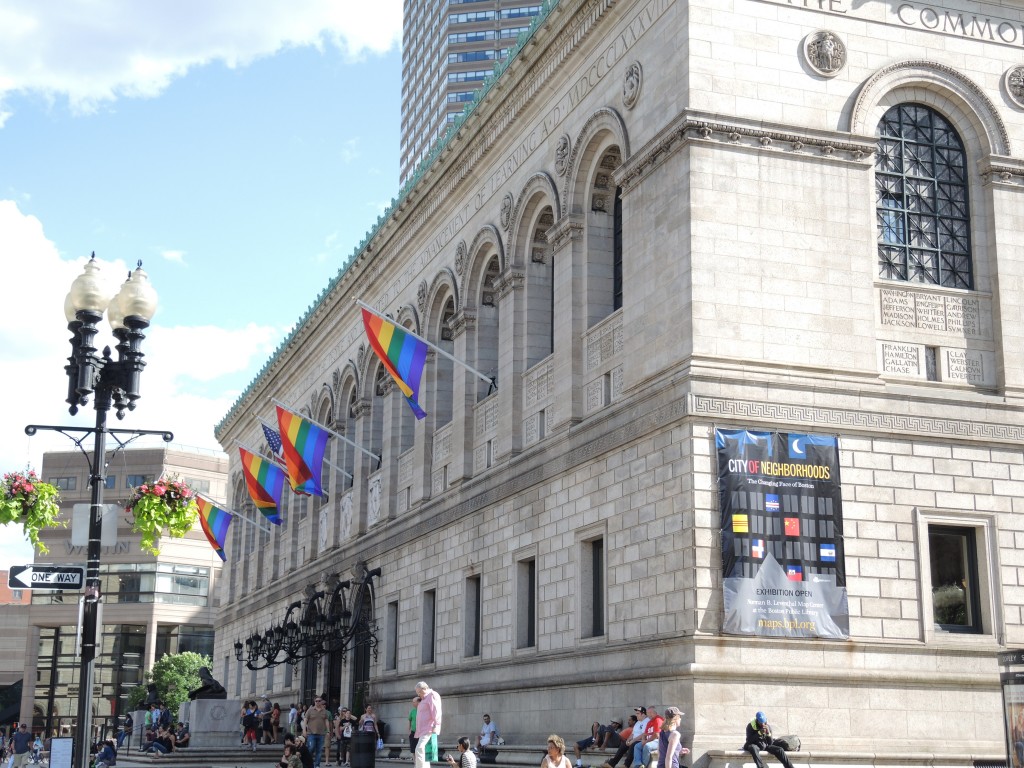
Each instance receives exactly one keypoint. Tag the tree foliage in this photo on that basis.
(175, 674)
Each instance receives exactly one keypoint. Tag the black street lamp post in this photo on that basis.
(113, 384)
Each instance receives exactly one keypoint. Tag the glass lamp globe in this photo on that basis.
(137, 297)
(88, 291)
(69, 309)
(114, 314)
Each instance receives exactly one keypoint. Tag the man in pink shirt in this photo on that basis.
(428, 725)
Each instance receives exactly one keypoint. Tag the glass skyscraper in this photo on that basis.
(448, 49)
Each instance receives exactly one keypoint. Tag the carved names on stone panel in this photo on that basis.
(539, 383)
(824, 52)
(531, 428)
(960, 315)
(616, 386)
(594, 395)
(486, 417)
(480, 458)
(603, 343)
(967, 366)
(437, 479)
(405, 467)
(902, 359)
(443, 443)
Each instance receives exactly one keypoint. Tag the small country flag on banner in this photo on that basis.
(828, 553)
(757, 548)
(740, 524)
(215, 522)
(795, 572)
(771, 502)
(792, 526)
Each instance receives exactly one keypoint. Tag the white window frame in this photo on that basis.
(993, 629)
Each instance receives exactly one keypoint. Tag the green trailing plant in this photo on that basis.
(166, 507)
(26, 499)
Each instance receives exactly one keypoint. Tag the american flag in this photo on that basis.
(273, 439)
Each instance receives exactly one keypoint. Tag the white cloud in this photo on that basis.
(99, 51)
(182, 387)
(350, 151)
(178, 257)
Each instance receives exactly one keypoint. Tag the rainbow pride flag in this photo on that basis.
(304, 444)
(402, 354)
(215, 522)
(265, 482)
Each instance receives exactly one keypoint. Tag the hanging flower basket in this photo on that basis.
(26, 499)
(166, 507)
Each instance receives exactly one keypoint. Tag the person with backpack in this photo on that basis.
(759, 738)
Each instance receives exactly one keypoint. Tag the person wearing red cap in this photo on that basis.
(759, 738)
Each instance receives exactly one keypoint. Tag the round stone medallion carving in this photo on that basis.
(824, 52)
(631, 85)
(506, 210)
(421, 296)
(1013, 82)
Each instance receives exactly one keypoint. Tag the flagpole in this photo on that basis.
(489, 379)
(232, 512)
(328, 430)
(329, 464)
(273, 460)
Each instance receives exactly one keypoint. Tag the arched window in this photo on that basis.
(443, 367)
(488, 331)
(604, 240)
(922, 206)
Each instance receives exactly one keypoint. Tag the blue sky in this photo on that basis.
(240, 148)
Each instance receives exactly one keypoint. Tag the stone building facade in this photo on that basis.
(662, 218)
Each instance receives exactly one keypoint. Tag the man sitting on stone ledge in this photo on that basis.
(182, 737)
(601, 737)
(626, 750)
(759, 738)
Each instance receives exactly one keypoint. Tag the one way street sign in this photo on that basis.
(38, 576)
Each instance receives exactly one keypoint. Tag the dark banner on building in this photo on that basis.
(783, 573)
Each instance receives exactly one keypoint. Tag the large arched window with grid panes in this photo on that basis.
(922, 206)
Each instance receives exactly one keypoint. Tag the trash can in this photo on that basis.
(363, 750)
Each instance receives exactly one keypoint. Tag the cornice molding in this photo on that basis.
(691, 127)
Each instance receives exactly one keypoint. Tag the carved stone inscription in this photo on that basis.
(963, 316)
(932, 312)
(898, 309)
(965, 365)
(901, 359)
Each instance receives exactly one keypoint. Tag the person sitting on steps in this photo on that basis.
(759, 738)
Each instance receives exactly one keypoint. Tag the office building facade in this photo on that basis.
(448, 49)
(152, 605)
